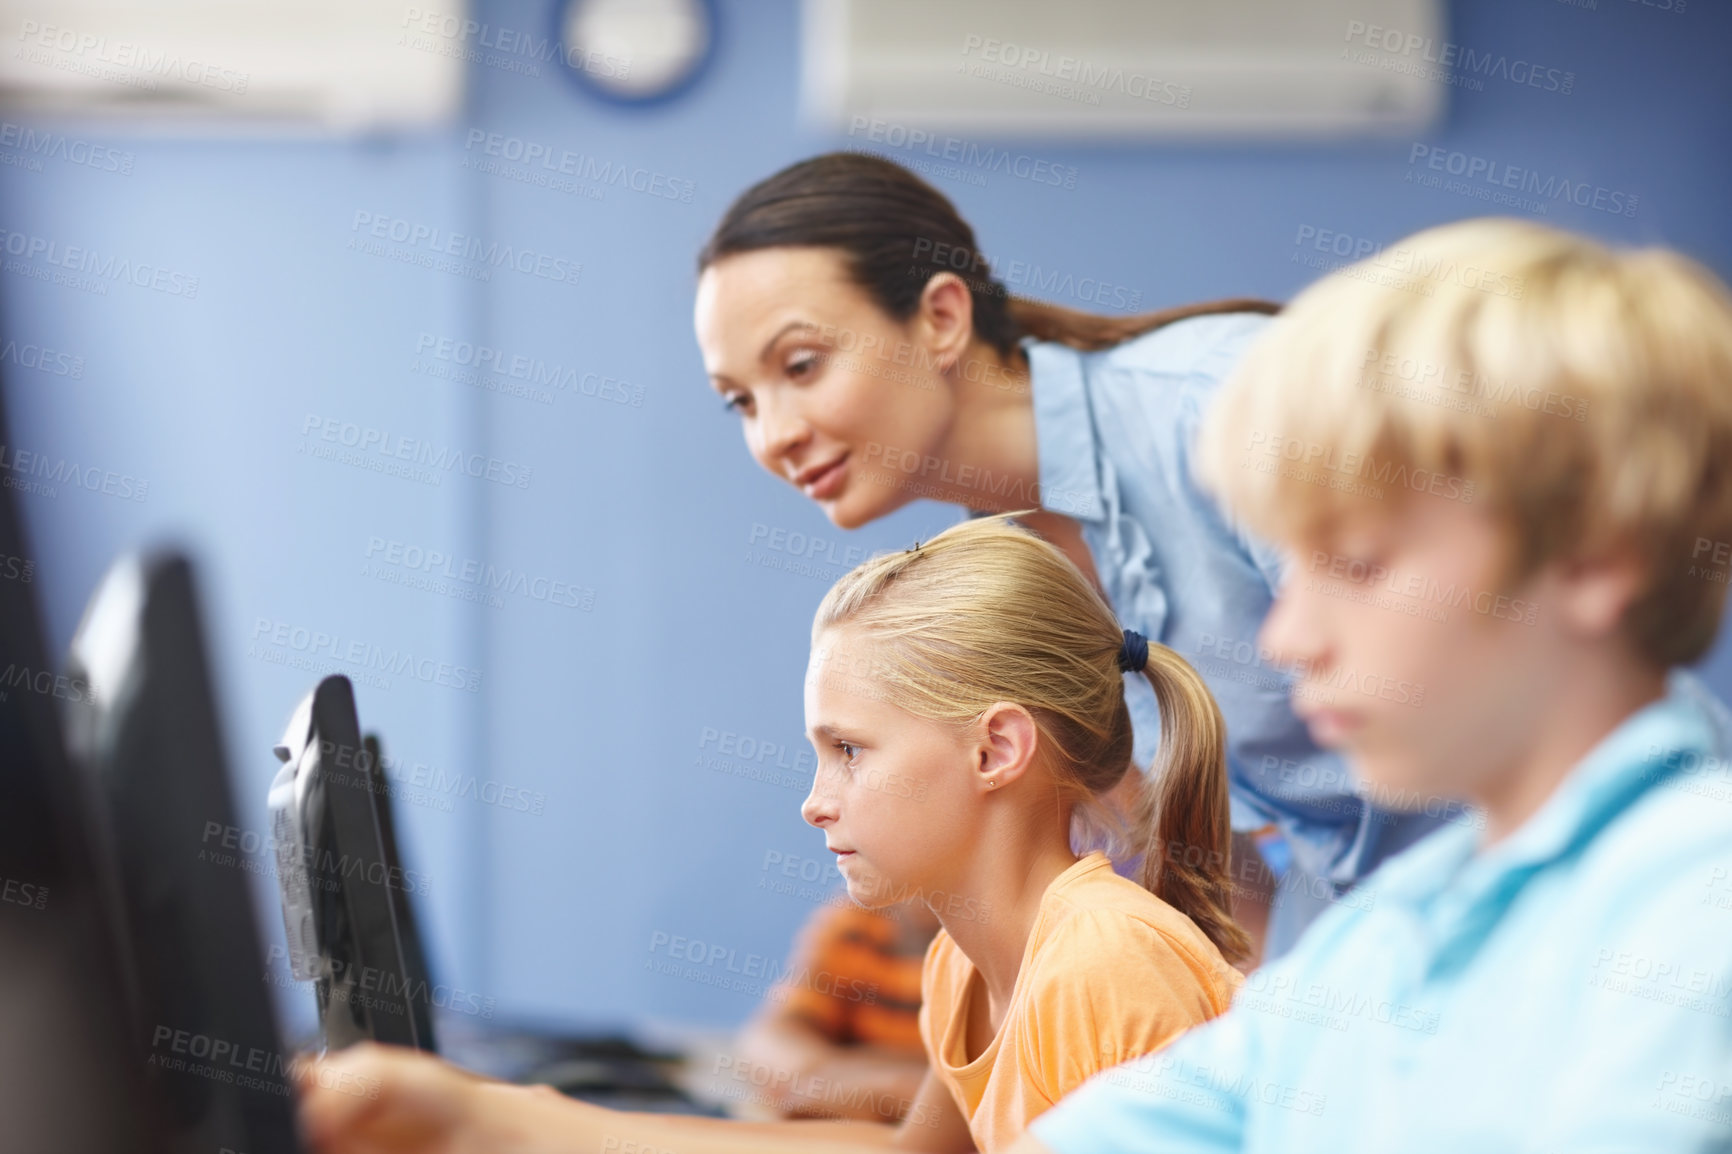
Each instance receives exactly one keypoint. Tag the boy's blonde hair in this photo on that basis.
(985, 612)
(1582, 394)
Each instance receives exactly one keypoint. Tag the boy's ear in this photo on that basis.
(1005, 746)
(1595, 592)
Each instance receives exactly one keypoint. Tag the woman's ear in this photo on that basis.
(1005, 747)
(945, 321)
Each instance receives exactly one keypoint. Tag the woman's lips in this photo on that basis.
(827, 483)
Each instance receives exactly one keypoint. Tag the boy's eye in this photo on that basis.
(1355, 562)
(1359, 568)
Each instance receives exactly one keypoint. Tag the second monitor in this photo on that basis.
(345, 908)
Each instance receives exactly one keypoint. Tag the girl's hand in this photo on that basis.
(372, 1099)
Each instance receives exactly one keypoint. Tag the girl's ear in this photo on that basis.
(1006, 744)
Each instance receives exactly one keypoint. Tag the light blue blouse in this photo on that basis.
(1114, 432)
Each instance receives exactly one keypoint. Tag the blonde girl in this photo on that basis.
(966, 700)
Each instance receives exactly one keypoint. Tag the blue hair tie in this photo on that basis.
(1134, 652)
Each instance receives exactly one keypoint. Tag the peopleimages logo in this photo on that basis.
(1498, 175)
(233, 846)
(35, 145)
(437, 241)
(759, 975)
(393, 447)
(1387, 473)
(1405, 261)
(42, 359)
(1412, 53)
(36, 472)
(361, 978)
(364, 654)
(88, 53)
(483, 577)
(977, 267)
(21, 893)
(1090, 79)
(459, 31)
(981, 157)
(555, 161)
(533, 371)
(45, 682)
(40, 250)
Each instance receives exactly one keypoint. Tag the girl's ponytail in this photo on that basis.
(986, 611)
(1182, 815)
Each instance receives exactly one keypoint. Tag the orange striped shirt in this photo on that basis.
(855, 976)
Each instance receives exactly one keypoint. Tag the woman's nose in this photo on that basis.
(784, 430)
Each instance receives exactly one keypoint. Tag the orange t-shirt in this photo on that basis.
(1110, 972)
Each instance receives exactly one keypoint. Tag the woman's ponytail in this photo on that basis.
(1182, 816)
(1092, 332)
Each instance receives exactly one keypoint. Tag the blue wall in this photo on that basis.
(619, 721)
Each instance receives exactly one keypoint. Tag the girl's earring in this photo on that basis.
(990, 783)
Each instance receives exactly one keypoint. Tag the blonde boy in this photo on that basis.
(1502, 468)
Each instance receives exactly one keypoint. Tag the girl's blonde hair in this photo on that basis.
(985, 612)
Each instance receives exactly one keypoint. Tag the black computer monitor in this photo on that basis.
(408, 926)
(72, 1079)
(343, 890)
(149, 746)
(319, 761)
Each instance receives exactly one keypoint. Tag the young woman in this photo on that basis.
(983, 673)
(845, 312)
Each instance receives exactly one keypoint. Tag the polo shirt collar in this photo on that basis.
(1458, 890)
(1069, 464)
(1624, 765)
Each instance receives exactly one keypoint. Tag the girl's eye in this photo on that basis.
(849, 751)
(803, 364)
(734, 402)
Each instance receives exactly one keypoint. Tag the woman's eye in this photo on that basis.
(803, 364)
(849, 751)
(734, 402)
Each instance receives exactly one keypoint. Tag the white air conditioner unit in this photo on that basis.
(343, 65)
(1127, 68)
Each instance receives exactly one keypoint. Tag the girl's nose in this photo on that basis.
(819, 806)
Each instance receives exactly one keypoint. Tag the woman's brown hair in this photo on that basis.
(896, 232)
(987, 611)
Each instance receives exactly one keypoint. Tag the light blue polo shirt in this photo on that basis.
(1567, 990)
